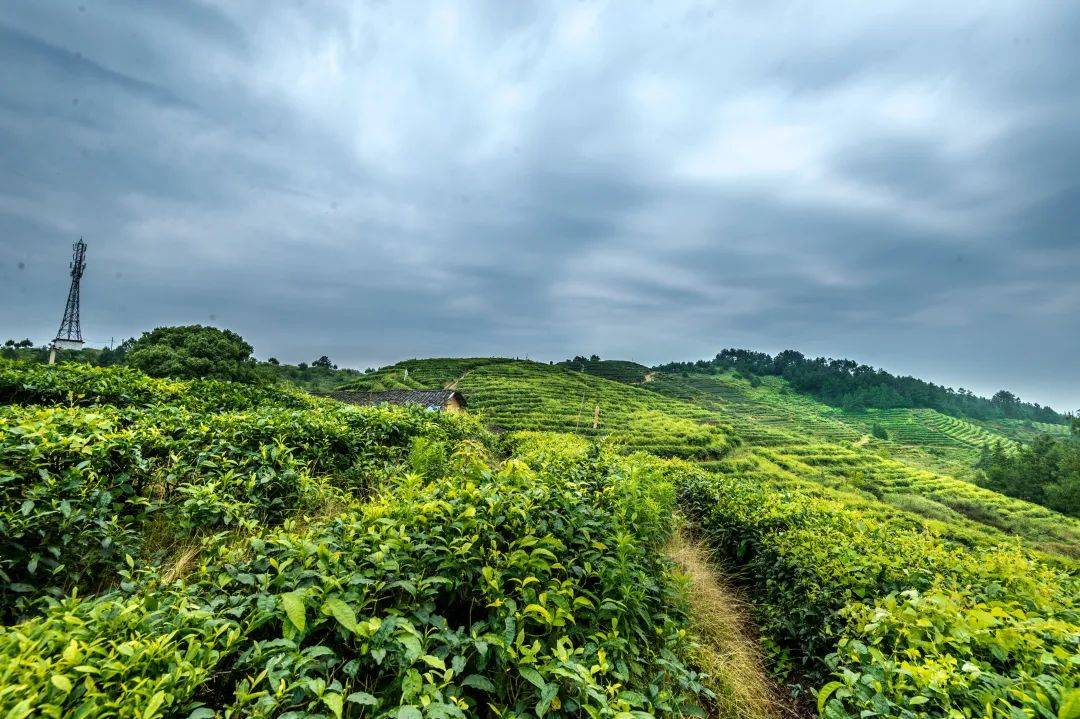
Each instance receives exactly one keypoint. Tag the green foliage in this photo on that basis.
(788, 436)
(310, 378)
(1046, 472)
(521, 395)
(532, 591)
(421, 373)
(909, 623)
(929, 428)
(427, 457)
(206, 548)
(456, 588)
(83, 385)
(82, 488)
(617, 370)
(193, 352)
(879, 432)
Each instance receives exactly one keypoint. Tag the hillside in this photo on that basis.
(523, 395)
(768, 431)
(853, 386)
(197, 549)
(815, 496)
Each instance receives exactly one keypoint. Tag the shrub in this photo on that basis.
(427, 457)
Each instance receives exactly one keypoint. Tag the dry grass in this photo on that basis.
(181, 564)
(729, 649)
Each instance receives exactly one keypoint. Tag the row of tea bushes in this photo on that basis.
(807, 439)
(529, 396)
(81, 488)
(77, 384)
(905, 623)
(504, 592)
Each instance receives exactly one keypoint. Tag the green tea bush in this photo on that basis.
(909, 624)
(80, 486)
(427, 457)
(509, 592)
(85, 385)
(133, 657)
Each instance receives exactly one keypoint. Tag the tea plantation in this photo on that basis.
(522, 395)
(787, 435)
(198, 549)
(880, 581)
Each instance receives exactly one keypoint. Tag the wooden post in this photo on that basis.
(596, 418)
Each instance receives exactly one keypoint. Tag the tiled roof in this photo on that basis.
(422, 397)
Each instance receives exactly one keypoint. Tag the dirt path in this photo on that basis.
(730, 651)
(453, 385)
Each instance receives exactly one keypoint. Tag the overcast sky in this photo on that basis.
(894, 183)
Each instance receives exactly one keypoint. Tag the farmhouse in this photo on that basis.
(434, 399)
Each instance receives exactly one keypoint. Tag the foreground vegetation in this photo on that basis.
(889, 619)
(203, 548)
(883, 588)
(344, 562)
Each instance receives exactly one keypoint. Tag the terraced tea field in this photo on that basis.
(763, 429)
(930, 428)
(618, 370)
(766, 413)
(795, 436)
(195, 549)
(516, 395)
(1023, 430)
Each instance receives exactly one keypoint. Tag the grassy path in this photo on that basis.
(730, 650)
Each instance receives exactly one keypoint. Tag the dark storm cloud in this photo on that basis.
(655, 181)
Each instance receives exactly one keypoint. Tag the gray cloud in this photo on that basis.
(655, 181)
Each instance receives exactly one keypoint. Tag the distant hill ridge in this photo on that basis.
(848, 384)
(838, 382)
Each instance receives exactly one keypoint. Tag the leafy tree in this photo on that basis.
(323, 361)
(1076, 426)
(194, 351)
(1007, 401)
(273, 361)
(878, 431)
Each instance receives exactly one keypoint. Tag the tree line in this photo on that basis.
(189, 352)
(853, 386)
(1046, 472)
